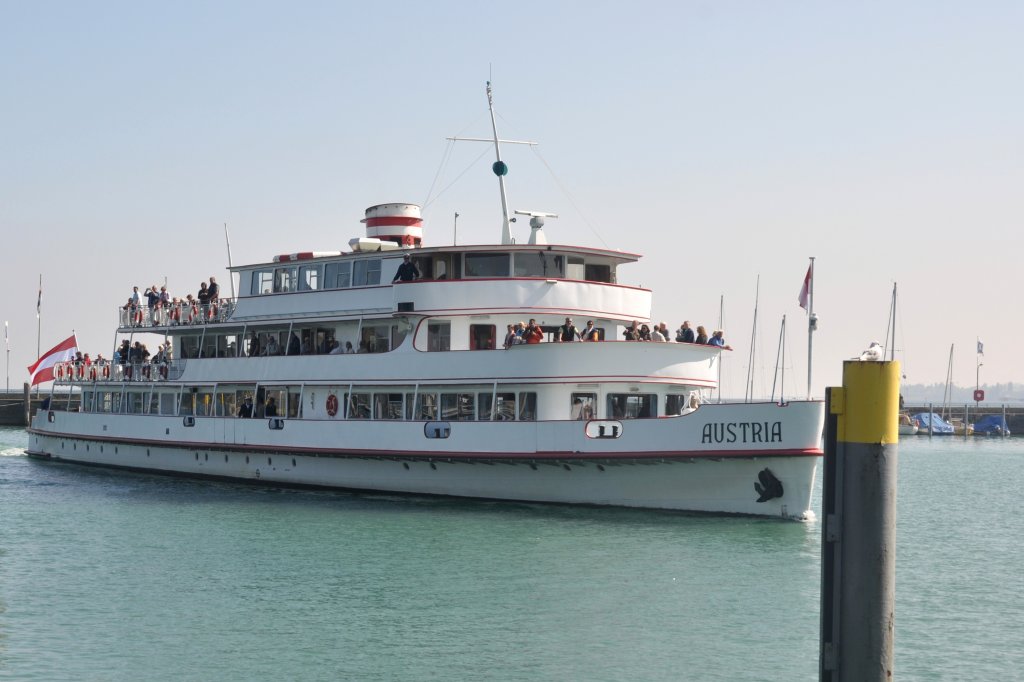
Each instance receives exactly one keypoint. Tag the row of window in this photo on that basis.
(377, 337)
(364, 403)
(367, 271)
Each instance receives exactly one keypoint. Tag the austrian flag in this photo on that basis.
(805, 290)
(42, 370)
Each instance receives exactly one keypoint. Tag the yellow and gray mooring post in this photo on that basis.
(858, 558)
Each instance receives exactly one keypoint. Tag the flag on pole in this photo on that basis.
(42, 369)
(981, 347)
(805, 290)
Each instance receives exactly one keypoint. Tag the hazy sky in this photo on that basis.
(723, 140)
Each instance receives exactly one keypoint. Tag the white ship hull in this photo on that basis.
(706, 461)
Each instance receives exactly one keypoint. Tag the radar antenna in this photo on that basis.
(537, 225)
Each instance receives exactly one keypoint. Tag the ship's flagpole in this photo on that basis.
(812, 324)
(231, 275)
(721, 325)
(39, 323)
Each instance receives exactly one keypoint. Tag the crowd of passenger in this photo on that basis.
(533, 333)
(163, 309)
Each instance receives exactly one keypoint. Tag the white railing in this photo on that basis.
(174, 314)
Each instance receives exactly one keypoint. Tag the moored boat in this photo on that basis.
(429, 400)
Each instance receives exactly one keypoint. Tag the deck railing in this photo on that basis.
(80, 373)
(175, 314)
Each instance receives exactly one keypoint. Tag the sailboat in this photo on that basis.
(907, 426)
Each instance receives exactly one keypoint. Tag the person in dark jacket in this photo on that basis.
(407, 271)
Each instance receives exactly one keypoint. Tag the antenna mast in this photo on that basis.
(501, 170)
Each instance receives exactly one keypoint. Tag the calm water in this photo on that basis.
(115, 576)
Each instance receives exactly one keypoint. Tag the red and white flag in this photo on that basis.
(42, 369)
(805, 290)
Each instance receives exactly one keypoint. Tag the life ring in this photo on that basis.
(92, 374)
(80, 372)
(193, 313)
(176, 314)
(60, 371)
(332, 404)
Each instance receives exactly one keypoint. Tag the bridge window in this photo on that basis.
(337, 275)
(366, 272)
(584, 406)
(285, 279)
(309, 277)
(486, 265)
(540, 264)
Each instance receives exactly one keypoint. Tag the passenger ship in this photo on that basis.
(431, 402)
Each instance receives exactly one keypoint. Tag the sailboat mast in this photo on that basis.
(892, 351)
(753, 343)
(501, 170)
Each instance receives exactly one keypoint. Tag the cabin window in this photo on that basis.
(169, 404)
(481, 337)
(375, 338)
(225, 404)
(309, 277)
(359, 406)
(632, 405)
(285, 279)
(675, 404)
(366, 272)
(275, 402)
(262, 282)
(539, 264)
(338, 275)
(293, 410)
(575, 269)
(458, 406)
(426, 406)
(204, 402)
(486, 265)
(527, 406)
(152, 403)
(439, 336)
(598, 273)
(387, 405)
(188, 346)
(505, 406)
(584, 406)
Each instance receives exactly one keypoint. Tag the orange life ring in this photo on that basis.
(60, 371)
(92, 374)
(332, 404)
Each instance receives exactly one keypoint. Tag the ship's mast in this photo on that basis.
(501, 170)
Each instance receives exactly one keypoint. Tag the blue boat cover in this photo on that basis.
(992, 424)
(939, 425)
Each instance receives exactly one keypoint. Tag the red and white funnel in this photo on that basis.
(399, 223)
